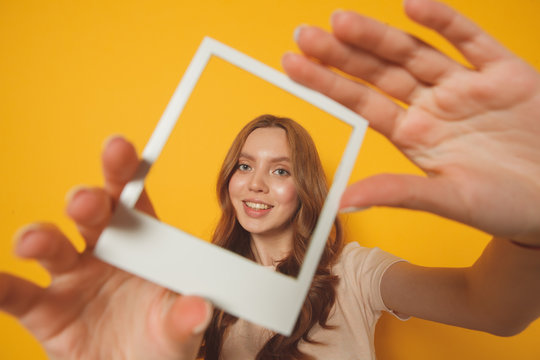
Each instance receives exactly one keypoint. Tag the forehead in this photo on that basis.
(273, 140)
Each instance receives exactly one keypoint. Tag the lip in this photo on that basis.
(256, 213)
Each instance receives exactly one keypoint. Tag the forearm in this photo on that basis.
(505, 285)
(499, 294)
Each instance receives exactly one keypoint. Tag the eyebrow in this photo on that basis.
(274, 160)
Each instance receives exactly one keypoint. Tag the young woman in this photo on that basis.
(271, 189)
(94, 311)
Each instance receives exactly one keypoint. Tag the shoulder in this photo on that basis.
(360, 270)
(357, 259)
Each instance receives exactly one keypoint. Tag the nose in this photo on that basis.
(257, 182)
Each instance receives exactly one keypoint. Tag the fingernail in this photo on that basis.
(352, 209)
(336, 13)
(197, 330)
(19, 234)
(22, 232)
(287, 53)
(109, 139)
(71, 193)
(297, 31)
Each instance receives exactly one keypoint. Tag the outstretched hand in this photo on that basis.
(92, 310)
(474, 131)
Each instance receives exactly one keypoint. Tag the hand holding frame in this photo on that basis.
(92, 310)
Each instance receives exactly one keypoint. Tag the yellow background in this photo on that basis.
(72, 73)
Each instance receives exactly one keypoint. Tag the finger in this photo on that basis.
(120, 162)
(403, 191)
(478, 47)
(46, 244)
(416, 57)
(91, 209)
(186, 322)
(17, 296)
(379, 110)
(391, 79)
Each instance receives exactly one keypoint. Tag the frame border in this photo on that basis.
(170, 257)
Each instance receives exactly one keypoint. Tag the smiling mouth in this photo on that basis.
(257, 206)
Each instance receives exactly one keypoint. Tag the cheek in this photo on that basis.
(286, 193)
(236, 184)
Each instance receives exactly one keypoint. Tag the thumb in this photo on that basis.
(403, 191)
(185, 323)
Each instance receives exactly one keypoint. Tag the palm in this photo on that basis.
(84, 310)
(471, 130)
(475, 143)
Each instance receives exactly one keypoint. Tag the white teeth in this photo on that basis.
(257, 206)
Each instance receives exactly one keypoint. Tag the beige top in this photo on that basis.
(355, 313)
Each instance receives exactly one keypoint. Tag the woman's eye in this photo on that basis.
(244, 167)
(281, 172)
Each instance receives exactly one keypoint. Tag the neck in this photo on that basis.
(270, 249)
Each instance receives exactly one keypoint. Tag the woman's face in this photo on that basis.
(262, 188)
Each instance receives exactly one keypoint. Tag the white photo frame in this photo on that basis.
(172, 258)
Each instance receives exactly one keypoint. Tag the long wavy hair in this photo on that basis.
(311, 187)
